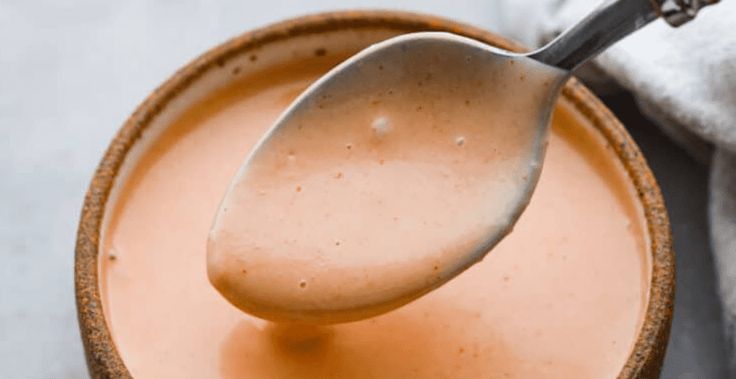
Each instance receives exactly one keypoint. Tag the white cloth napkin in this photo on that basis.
(685, 80)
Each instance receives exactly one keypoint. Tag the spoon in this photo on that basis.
(399, 169)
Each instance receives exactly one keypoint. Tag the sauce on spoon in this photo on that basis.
(377, 195)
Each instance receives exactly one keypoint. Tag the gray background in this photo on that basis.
(71, 72)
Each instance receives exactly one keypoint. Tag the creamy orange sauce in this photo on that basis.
(562, 296)
(369, 195)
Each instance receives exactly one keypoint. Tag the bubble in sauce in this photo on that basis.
(381, 126)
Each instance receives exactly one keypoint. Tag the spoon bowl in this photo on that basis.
(437, 205)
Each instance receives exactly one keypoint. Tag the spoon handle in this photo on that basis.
(611, 21)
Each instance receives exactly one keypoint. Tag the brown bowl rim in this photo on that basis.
(103, 360)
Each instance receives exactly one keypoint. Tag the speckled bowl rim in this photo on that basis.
(103, 359)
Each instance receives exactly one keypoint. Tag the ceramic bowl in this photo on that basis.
(344, 32)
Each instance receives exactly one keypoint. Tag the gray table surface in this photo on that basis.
(70, 73)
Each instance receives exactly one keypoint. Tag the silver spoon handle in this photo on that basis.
(611, 21)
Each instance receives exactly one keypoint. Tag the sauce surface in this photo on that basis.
(562, 296)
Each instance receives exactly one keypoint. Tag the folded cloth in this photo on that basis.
(685, 80)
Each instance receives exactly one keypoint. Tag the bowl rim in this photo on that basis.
(103, 359)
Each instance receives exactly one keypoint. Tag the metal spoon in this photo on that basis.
(535, 79)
